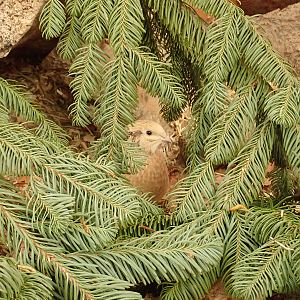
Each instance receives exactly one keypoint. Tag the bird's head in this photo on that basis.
(149, 135)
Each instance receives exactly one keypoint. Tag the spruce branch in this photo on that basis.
(182, 25)
(291, 144)
(74, 7)
(83, 282)
(157, 79)
(267, 223)
(282, 106)
(115, 110)
(70, 40)
(221, 47)
(238, 244)
(51, 212)
(268, 268)
(229, 132)
(21, 152)
(125, 25)
(16, 230)
(192, 194)
(52, 19)
(214, 97)
(244, 180)
(194, 287)
(95, 193)
(94, 20)
(23, 282)
(259, 55)
(87, 70)
(17, 100)
(168, 256)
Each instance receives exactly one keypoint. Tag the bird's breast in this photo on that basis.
(154, 177)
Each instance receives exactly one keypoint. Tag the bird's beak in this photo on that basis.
(168, 140)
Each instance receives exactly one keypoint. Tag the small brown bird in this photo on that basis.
(154, 177)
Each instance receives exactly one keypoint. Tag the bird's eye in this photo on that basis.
(149, 132)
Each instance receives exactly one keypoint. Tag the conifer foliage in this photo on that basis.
(73, 230)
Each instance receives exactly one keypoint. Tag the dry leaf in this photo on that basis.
(273, 86)
(270, 167)
(21, 182)
(238, 207)
(267, 182)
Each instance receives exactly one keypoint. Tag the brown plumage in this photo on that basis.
(154, 177)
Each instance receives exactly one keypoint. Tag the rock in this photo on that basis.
(19, 29)
(252, 7)
(282, 28)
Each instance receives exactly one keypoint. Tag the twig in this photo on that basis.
(147, 228)
(200, 13)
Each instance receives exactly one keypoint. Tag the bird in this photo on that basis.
(154, 177)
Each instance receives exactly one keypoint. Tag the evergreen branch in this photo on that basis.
(262, 59)
(98, 197)
(283, 184)
(70, 40)
(36, 286)
(283, 106)
(115, 110)
(296, 259)
(267, 223)
(292, 284)
(157, 79)
(192, 194)
(194, 287)
(183, 26)
(185, 70)
(221, 47)
(196, 136)
(125, 24)
(216, 8)
(51, 212)
(157, 36)
(230, 131)
(291, 144)
(49, 133)
(82, 282)
(74, 7)
(172, 256)
(4, 114)
(94, 20)
(242, 76)
(86, 237)
(16, 231)
(87, 70)
(238, 244)
(244, 180)
(134, 157)
(149, 223)
(23, 282)
(268, 269)
(215, 97)
(20, 151)
(52, 19)
(16, 99)
(217, 223)
(11, 278)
